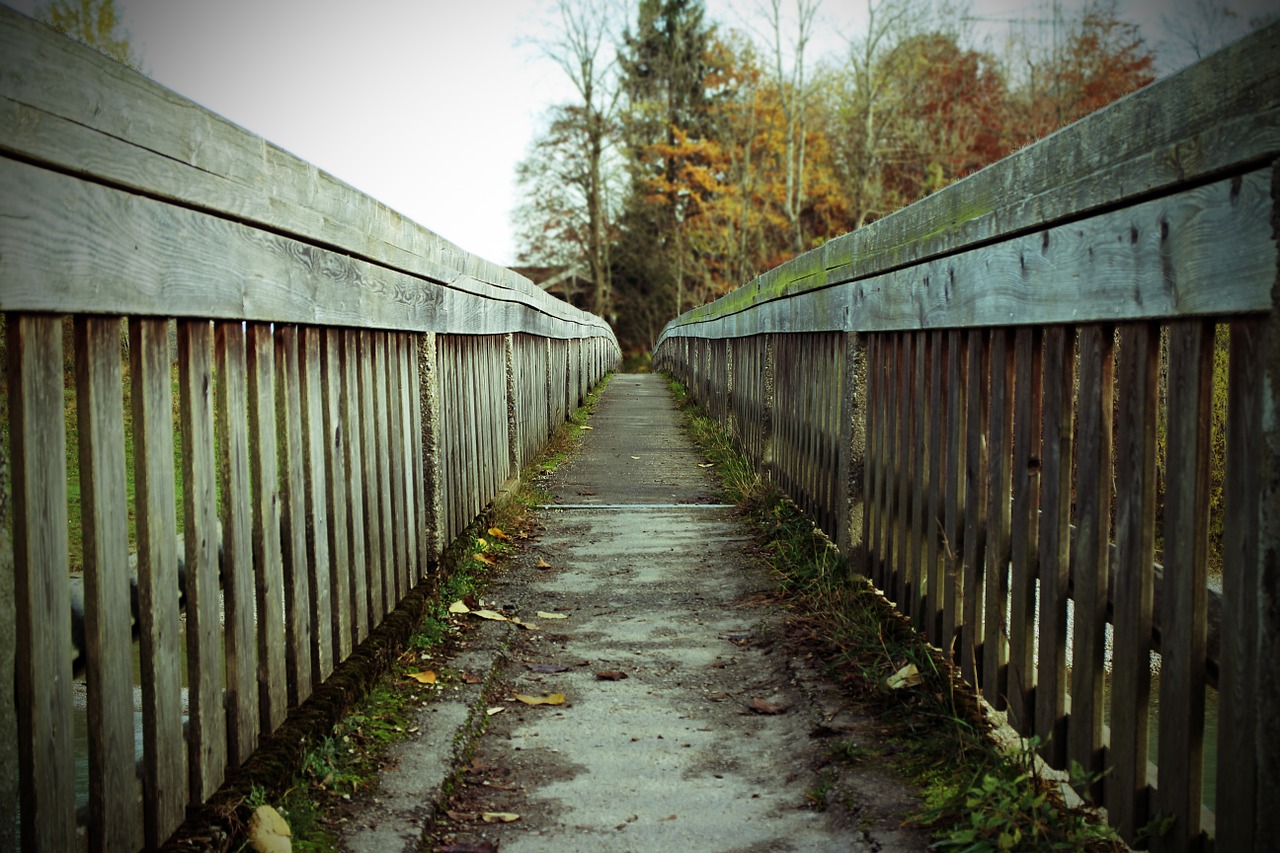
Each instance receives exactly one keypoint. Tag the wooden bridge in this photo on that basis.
(977, 398)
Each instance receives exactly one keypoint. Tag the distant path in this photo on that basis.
(659, 584)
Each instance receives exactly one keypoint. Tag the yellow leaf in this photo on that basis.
(587, 427)
(635, 457)
(553, 699)
(268, 831)
(706, 464)
(908, 676)
(543, 564)
(459, 607)
(499, 817)
(496, 532)
(425, 677)
(497, 710)
(542, 614)
(484, 558)
(528, 626)
(490, 614)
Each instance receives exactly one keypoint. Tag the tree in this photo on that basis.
(95, 23)
(793, 92)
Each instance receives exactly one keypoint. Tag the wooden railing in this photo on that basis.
(977, 396)
(320, 395)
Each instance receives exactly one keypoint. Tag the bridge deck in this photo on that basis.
(659, 583)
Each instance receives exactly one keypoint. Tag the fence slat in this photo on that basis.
(1023, 531)
(336, 505)
(207, 726)
(163, 759)
(922, 475)
(937, 418)
(269, 589)
(41, 589)
(1055, 541)
(1089, 556)
(1135, 479)
(975, 501)
(382, 462)
(99, 407)
(995, 645)
(293, 524)
(375, 521)
(953, 512)
(231, 408)
(407, 396)
(317, 518)
(353, 482)
(1185, 558)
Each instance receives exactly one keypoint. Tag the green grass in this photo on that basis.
(975, 797)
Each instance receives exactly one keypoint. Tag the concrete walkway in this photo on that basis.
(687, 723)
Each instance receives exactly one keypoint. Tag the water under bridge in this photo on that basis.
(977, 398)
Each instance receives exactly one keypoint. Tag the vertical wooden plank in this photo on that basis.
(9, 761)
(1089, 555)
(902, 462)
(395, 431)
(922, 462)
(337, 507)
(353, 465)
(1238, 791)
(269, 589)
(1135, 479)
(1185, 600)
(318, 582)
(231, 406)
(375, 521)
(1054, 545)
(975, 501)
(995, 646)
(207, 719)
(41, 590)
(953, 513)
(163, 759)
(937, 418)
(405, 357)
(108, 637)
(382, 461)
(1023, 532)
(293, 517)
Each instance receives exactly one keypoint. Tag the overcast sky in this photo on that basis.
(427, 105)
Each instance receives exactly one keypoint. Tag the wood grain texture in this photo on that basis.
(41, 590)
(1089, 554)
(1185, 557)
(268, 563)
(108, 639)
(231, 408)
(922, 476)
(374, 519)
(1128, 803)
(354, 484)
(995, 645)
(381, 471)
(432, 472)
(319, 590)
(1202, 251)
(1055, 542)
(293, 516)
(953, 512)
(337, 507)
(1238, 791)
(207, 720)
(164, 768)
(1025, 517)
(936, 418)
(977, 400)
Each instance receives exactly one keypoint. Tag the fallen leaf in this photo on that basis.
(499, 817)
(762, 707)
(547, 667)
(424, 677)
(706, 464)
(496, 533)
(542, 614)
(635, 457)
(498, 710)
(459, 607)
(908, 676)
(528, 626)
(461, 817)
(268, 831)
(542, 564)
(611, 675)
(484, 558)
(553, 699)
(587, 427)
(490, 614)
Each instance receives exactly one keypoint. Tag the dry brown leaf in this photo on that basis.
(424, 677)
(542, 564)
(499, 817)
(553, 699)
(528, 626)
(611, 675)
(269, 832)
(762, 707)
(542, 614)
(484, 558)
(496, 533)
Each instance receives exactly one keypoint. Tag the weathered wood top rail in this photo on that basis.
(318, 397)
(1007, 400)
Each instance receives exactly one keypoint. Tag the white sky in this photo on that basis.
(426, 105)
